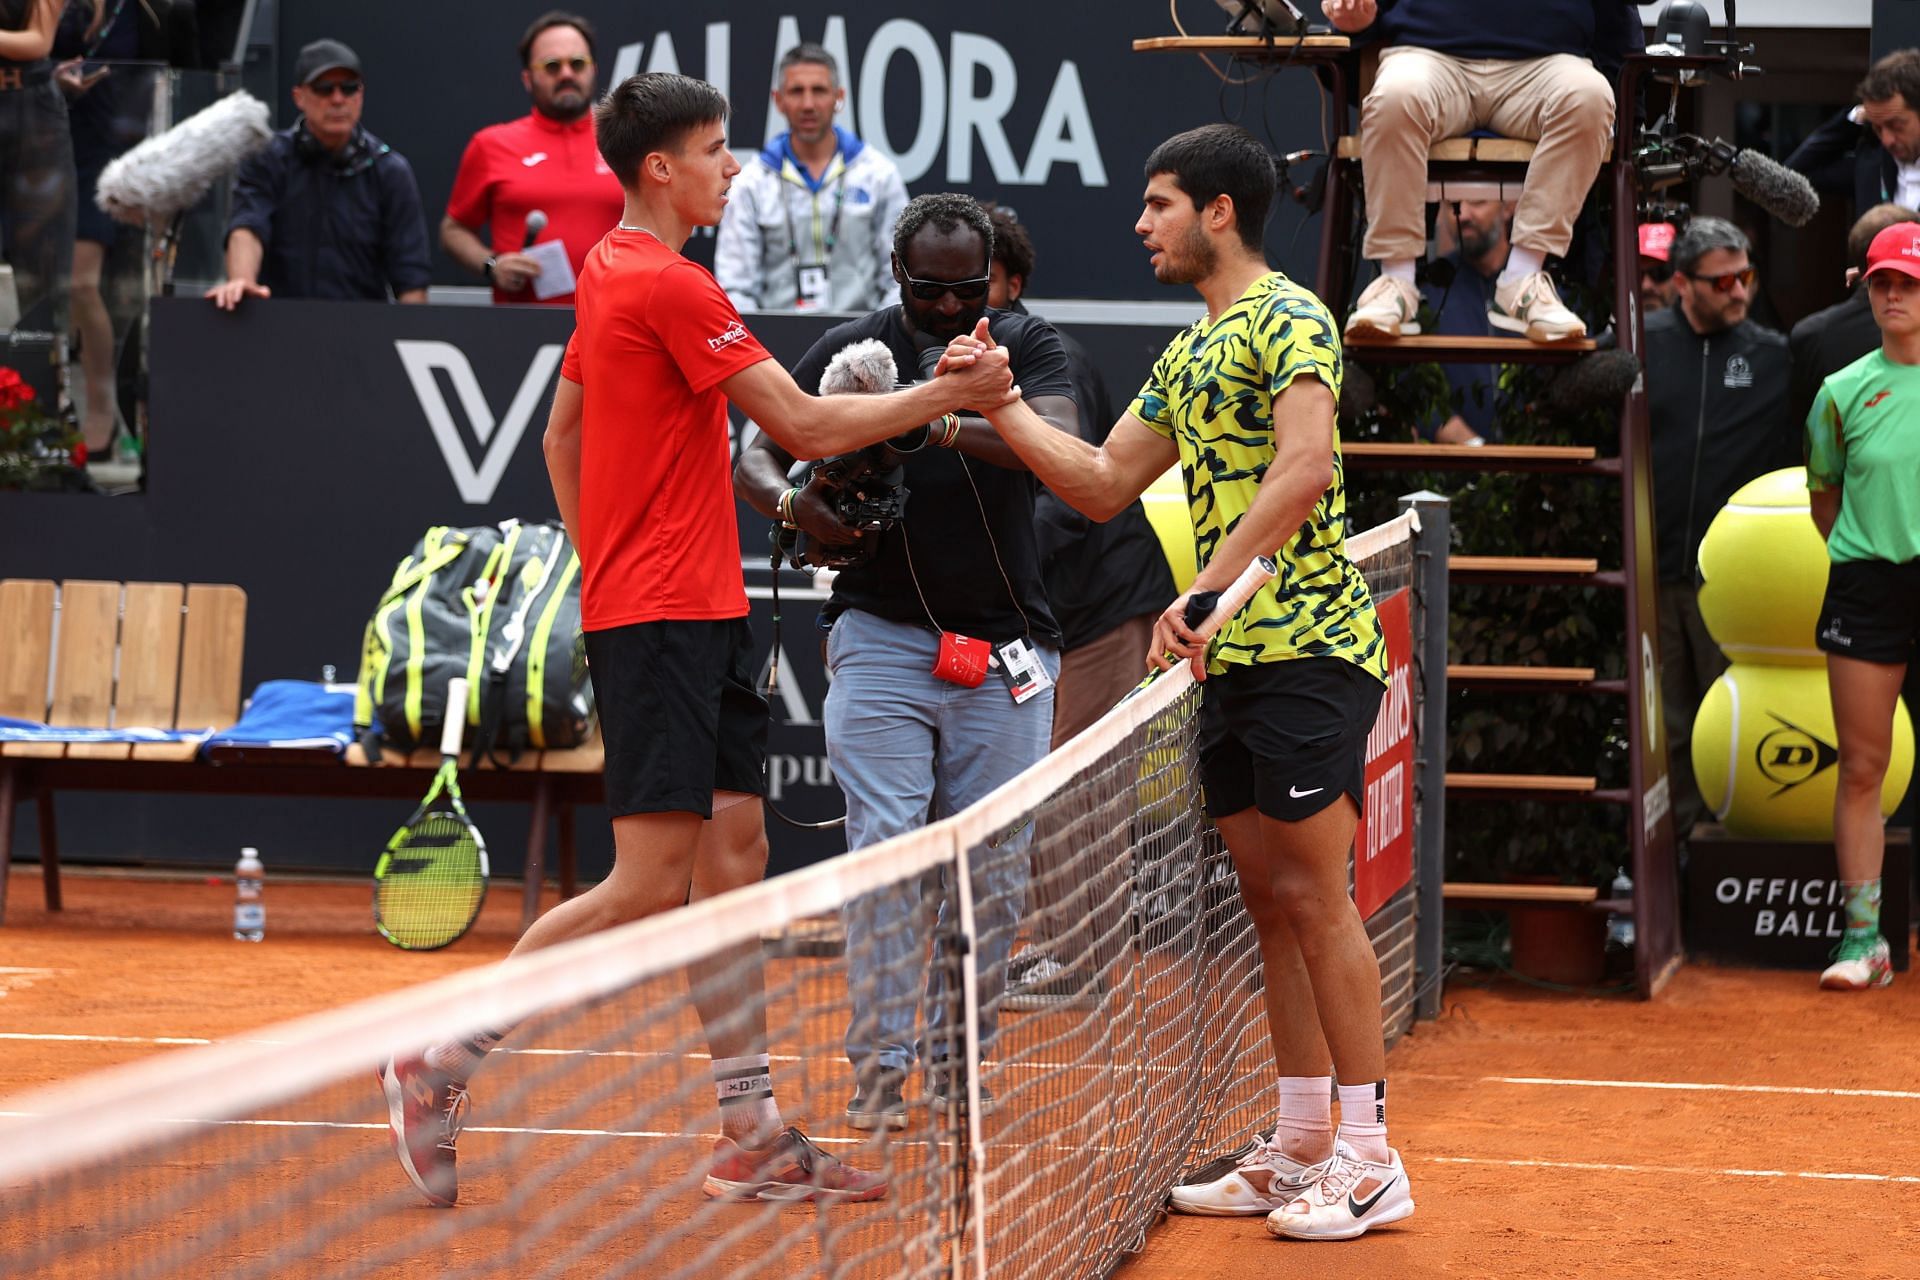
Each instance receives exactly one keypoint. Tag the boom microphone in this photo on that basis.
(536, 223)
(167, 174)
(1779, 190)
(865, 367)
(1598, 381)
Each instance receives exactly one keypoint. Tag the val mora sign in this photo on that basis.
(1045, 108)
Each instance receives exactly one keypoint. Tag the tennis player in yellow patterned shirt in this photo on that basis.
(1244, 400)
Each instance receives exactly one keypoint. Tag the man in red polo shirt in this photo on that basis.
(637, 449)
(545, 161)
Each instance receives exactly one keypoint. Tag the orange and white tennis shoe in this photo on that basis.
(788, 1168)
(1352, 1198)
(1263, 1180)
(425, 1111)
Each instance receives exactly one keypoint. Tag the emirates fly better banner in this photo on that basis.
(1383, 844)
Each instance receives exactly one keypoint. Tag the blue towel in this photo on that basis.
(293, 713)
(12, 730)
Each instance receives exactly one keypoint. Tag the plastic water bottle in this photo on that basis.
(249, 912)
(1619, 924)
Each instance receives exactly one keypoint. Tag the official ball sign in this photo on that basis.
(1780, 903)
(1383, 844)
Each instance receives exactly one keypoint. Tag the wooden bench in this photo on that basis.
(165, 656)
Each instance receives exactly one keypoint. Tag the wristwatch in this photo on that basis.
(486, 268)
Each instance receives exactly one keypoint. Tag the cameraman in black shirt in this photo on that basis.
(917, 725)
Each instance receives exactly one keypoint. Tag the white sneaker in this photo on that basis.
(1388, 308)
(1859, 968)
(1350, 1199)
(1264, 1180)
(1532, 306)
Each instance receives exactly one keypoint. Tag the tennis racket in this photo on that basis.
(432, 876)
(1208, 611)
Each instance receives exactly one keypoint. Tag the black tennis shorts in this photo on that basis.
(1872, 610)
(1287, 737)
(679, 714)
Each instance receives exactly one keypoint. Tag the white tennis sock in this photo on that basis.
(459, 1058)
(1521, 262)
(744, 1088)
(1363, 1119)
(1306, 1116)
(1399, 269)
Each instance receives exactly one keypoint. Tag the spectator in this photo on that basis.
(910, 737)
(1872, 151)
(1449, 67)
(1107, 583)
(1460, 308)
(1717, 399)
(327, 210)
(1862, 457)
(1828, 341)
(1657, 287)
(36, 166)
(810, 223)
(107, 113)
(545, 161)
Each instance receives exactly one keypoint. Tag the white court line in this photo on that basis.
(1579, 1166)
(1590, 1167)
(1688, 1087)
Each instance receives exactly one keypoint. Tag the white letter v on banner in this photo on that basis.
(422, 357)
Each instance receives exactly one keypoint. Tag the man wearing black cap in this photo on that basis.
(327, 210)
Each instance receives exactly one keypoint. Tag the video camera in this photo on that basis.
(867, 491)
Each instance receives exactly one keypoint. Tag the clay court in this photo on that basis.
(1742, 1124)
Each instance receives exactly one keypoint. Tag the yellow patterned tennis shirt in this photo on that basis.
(1212, 393)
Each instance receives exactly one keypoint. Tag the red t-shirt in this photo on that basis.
(655, 336)
(511, 169)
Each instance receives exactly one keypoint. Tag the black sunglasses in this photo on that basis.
(1658, 272)
(576, 65)
(1724, 282)
(965, 290)
(342, 88)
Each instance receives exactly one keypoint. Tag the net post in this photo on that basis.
(972, 1157)
(1431, 544)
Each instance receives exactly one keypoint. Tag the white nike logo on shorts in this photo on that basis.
(1297, 793)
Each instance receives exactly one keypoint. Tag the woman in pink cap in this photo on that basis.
(1863, 454)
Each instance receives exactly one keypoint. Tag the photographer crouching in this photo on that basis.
(919, 724)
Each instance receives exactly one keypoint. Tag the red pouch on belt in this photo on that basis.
(962, 660)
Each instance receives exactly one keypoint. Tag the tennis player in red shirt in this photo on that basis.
(637, 447)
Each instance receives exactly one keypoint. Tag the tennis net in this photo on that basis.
(1136, 1052)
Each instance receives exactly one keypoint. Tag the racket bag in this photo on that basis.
(459, 603)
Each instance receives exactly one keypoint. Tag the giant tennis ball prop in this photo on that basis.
(1766, 757)
(1166, 503)
(1765, 571)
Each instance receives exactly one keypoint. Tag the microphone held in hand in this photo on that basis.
(536, 223)
(168, 173)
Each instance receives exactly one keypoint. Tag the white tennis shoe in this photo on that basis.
(1351, 1199)
(1265, 1179)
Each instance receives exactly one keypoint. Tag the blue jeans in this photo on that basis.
(908, 748)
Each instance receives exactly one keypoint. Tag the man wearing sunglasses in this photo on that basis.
(545, 161)
(1718, 400)
(326, 210)
(913, 732)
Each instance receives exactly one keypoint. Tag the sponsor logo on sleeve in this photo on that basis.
(735, 332)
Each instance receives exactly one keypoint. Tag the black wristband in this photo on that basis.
(1199, 605)
(486, 268)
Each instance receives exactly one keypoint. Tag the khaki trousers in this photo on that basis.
(1420, 97)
